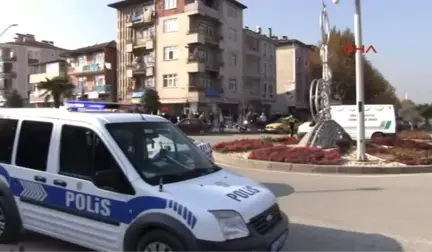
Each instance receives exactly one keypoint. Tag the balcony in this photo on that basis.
(195, 66)
(252, 51)
(194, 36)
(7, 54)
(148, 17)
(87, 69)
(102, 89)
(145, 43)
(33, 60)
(199, 8)
(8, 58)
(37, 78)
(129, 45)
(11, 75)
(138, 68)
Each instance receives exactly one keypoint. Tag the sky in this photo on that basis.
(397, 29)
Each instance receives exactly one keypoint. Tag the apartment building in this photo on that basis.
(16, 58)
(259, 72)
(93, 70)
(194, 59)
(41, 72)
(292, 76)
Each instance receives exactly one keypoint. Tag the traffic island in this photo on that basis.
(387, 155)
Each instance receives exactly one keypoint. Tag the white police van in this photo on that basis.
(125, 182)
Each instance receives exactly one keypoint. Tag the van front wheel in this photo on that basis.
(10, 227)
(159, 240)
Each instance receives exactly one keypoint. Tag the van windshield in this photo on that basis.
(160, 152)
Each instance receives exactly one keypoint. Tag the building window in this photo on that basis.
(233, 59)
(271, 91)
(99, 58)
(232, 12)
(232, 85)
(170, 4)
(170, 25)
(232, 34)
(171, 53)
(170, 80)
(82, 84)
(99, 80)
(82, 60)
(149, 82)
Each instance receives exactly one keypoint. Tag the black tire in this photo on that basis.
(11, 222)
(377, 134)
(162, 237)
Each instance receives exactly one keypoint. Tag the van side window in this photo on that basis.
(84, 155)
(7, 138)
(33, 145)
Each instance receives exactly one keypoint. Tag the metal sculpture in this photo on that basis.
(320, 89)
(325, 132)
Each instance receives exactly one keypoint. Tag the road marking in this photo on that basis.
(329, 175)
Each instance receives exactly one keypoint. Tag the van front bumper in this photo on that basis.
(254, 242)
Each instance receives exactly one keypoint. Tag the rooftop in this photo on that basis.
(90, 49)
(291, 42)
(30, 41)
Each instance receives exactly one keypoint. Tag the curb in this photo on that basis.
(310, 168)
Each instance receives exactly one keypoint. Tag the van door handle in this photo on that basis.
(39, 179)
(59, 182)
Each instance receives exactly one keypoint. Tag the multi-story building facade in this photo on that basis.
(259, 72)
(292, 76)
(16, 58)
(194, 59)
(41, 72)
(93, 70)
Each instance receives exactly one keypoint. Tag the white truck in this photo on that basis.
(380, 120)
(126, 182)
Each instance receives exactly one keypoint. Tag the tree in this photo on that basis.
(425, 111)
(377, 88)
(151, 101)
(14, 99)
(408, 112)
(56, 88)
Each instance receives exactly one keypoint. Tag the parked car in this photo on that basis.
(193, 126)
(279, 127)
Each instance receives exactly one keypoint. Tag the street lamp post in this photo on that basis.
(361, 145)
(7, 28)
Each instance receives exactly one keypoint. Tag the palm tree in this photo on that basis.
(56, 88)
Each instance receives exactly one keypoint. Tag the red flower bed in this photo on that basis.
(298, 155)
(401, 143)
(414, 134)
(377, 150)
(286, 140)
(241, 145)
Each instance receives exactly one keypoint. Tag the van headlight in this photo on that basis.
(231, 223)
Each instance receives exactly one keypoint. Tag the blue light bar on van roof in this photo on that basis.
(85, 105)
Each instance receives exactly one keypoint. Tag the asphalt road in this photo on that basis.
(334, 212)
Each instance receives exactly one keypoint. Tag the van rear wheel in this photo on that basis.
(377, 134)
(159, 240)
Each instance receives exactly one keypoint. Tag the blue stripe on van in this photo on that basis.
(120, 212)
